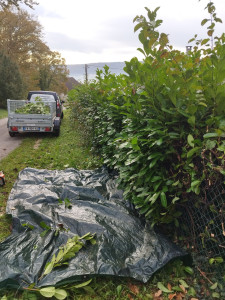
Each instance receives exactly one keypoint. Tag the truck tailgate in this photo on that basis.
(30, 122)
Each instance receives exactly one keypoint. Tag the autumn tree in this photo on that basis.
(53, 72)
(11, 85)
(21, 39)
(21, 36)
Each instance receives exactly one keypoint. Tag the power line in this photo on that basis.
(86, 66)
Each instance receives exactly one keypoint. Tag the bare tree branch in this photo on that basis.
(7, 3)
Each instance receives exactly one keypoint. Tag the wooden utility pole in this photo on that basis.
(86, 73)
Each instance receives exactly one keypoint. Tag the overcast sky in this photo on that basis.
(89, 31)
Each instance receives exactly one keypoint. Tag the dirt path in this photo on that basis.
(7, 143)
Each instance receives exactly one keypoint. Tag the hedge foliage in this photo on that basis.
(162, 125)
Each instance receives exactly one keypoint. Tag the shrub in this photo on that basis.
(161, 126)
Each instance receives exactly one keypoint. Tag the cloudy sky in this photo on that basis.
(89, 31)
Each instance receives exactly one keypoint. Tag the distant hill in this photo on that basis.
(71, 83)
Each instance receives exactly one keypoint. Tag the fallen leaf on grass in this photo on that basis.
(158, 294)
(194, 298)
(184, 283)
(183, 288)
(180, 296)
(171, 296)
(130, 297)
(163, 288)
(169, 286)
(157, 298)
(134, 289)
(214, 286)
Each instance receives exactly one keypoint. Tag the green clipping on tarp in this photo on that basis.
(64, 203)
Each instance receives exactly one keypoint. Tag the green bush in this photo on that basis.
(161, 126)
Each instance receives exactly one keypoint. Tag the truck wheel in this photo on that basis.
(12, 134)
(57, 132)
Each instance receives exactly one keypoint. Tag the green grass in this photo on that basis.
(44, 151)
(3, 113)
(69, 150)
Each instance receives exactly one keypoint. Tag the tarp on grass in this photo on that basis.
(126, 246)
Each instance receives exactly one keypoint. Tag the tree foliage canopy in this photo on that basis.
(52, 72)
(10, 80)
(21, 36)
(7, 3)
(21, 39)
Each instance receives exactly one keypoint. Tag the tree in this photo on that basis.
(21, 39)
(21, 36)
(7, 3)
(11, 84)
(53, 72)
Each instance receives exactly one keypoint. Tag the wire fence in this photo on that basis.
(203, 226)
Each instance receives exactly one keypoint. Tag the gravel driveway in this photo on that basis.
(7, 143)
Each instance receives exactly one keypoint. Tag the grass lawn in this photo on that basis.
(3, 113)
(175, 281)
(44, 151)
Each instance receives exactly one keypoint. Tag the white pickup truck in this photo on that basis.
(42, 121)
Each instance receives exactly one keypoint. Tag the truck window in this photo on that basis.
(44, 97)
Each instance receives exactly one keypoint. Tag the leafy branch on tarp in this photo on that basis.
(46, 228)
(68, 251)
(67, 202)
(28, 226)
